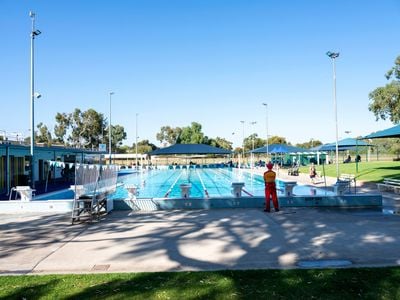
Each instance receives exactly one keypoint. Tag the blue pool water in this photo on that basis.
(204, 183)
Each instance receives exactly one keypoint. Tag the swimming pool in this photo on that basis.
(205, 183)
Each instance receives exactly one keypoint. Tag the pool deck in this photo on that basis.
(128, 241)
(181, 240)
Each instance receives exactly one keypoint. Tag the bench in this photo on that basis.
(294, 171)
(389, 184)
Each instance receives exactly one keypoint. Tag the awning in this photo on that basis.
(278, 148)
(345, 144)
(386, 133)
(190, 149)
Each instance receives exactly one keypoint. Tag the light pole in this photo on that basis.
(136, 167)
(109, 133)
(252, 144)
(333, 56)
(266, 126)
(33, 95)
(242, 138)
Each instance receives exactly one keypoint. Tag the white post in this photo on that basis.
(32, 98)
(333, 56)
(109, 134)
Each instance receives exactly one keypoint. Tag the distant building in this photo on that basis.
(15, 162)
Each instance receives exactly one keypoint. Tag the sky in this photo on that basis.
(173, 62)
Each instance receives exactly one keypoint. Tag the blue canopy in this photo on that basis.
(345, 144)
(189, 149)
(278, 148)
(386, 133)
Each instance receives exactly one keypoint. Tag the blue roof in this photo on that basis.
(345, 144)
(190, 149)
(278, 148)
(386, 133)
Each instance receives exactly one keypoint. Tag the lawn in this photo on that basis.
(373, 171)
(359, 283)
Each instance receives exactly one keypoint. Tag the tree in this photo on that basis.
(395, 148)
(385, 101)
(220, 143)
(118, 134)
(44, 135)
(277, 140)
(60, 129)
(168, 135)
(192, 134)
(258, 142)
(310, 144)
(144, 147)
(86, 129)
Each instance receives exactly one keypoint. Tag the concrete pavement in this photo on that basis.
(126, 241)
(197, 240)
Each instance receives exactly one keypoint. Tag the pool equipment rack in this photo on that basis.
(93, 184)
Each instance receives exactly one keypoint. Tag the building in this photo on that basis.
(15, 163)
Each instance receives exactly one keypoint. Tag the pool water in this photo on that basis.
(205, 183)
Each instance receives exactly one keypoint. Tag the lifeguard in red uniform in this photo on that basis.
(270, 188)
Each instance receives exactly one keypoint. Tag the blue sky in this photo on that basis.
(213, 62)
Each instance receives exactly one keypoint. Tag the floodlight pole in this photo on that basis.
(136, 143)
(266, 126)
(333, 56)
(32, 99)
(252, 142)
(242, 138)
(109, 133)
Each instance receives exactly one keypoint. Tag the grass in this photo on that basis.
(373, 171)
(359, 283)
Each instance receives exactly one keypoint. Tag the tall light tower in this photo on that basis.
(252, 144)
(333, 56)
(34, 33)
(109, 133)
(242, 137)
(266, 127)
(136, 143)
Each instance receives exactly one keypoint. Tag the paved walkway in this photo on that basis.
(198, 240)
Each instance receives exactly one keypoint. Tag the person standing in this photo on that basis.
(313, 172)
(270, 188)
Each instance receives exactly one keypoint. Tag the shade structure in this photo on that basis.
(190, 149)
(278, 148)
(345, 144)
(386, 133)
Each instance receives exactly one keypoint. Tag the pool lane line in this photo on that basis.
(224, 173)
(172, 186)
(202, 183)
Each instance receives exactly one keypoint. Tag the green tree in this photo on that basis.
(310, 144)
(220, 143)
(86, 129)
(44, 135)
(168, 135)
(258, 142)
(63, 122)
(385, 101)
(192, 134)
(144, 146)
(118, 134)
(277, 140)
